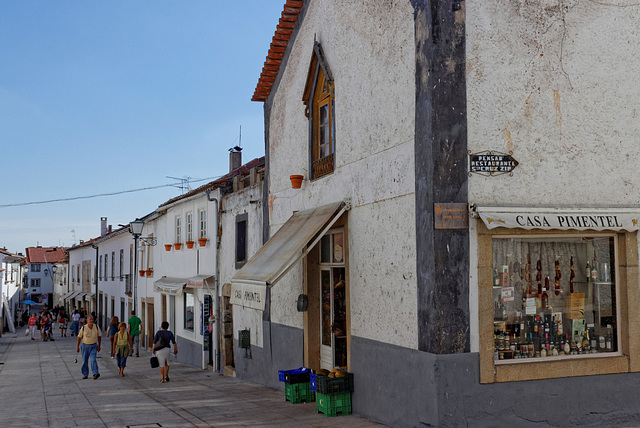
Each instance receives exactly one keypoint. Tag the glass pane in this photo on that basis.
(325, 249)
(323, 135)
(339, 317)
(554, 297)
(325, 310)
(337, 248)
(189, 304)
(324, 114)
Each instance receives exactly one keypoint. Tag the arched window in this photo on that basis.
(319, 97)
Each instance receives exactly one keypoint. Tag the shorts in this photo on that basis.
(163, 356)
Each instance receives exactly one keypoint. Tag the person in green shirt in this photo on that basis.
(134, 330)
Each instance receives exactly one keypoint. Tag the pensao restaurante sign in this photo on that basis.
(575, 220)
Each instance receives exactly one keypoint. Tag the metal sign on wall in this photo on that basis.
(451, 216)
(492, 163)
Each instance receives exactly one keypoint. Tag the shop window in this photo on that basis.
(554, 297)
(241, 240)
(319, 97)
(543, 316)
(189, 304)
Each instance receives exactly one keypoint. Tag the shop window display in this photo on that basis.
(554, 297)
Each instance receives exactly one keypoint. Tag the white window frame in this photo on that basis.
(189, 226)
(178, 229)
(202, 222)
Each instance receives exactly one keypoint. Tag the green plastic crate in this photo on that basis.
(299, 393)
(334, 404)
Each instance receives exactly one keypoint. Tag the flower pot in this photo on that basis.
(189, 244)
(202, 242)
(167, 247)
(296, 181)
(141, 272)
(149, 272)
(178, 245)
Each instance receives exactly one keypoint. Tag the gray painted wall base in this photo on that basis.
(283, 350)
(189, 352)
(403, 387)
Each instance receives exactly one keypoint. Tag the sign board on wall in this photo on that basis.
(248, 295)
(492, 163)
(576, 220)
(451, 216)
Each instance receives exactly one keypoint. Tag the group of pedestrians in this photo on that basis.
(45, 322)
(123, 341)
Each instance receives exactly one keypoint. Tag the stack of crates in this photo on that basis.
(297, 388)
(333, 394)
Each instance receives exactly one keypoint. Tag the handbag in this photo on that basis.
(154, 362)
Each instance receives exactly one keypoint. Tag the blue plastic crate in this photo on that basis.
(299, 375)
(313, 382)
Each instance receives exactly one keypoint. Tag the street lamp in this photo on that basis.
(135, 228)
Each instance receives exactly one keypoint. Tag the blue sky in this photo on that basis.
(106, 96)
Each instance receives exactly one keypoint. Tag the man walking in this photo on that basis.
(134, 331)
(91, 338)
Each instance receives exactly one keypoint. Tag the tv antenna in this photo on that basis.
(184, 183)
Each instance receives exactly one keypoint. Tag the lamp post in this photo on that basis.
(97, 295)
(135, 228)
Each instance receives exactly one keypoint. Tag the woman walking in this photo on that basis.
(113, 329)
(33, 325)
(162, 347)
(121, 347)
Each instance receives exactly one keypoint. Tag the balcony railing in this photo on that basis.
(323, 166)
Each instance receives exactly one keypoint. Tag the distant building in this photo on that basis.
(40, 262)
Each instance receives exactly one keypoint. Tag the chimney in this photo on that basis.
(235, 158)
(103, 226)
(110, 229)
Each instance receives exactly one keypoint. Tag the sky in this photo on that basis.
(100, 97)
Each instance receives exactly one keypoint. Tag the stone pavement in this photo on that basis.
(40, 385)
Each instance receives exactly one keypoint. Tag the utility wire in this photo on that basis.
(75, 198)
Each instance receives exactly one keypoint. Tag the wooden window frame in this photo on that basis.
(320, 92)
(626, 360)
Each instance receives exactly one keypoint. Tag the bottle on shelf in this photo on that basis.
(496, 277)
(588, 271)
(609, 338)
(567, 346)
(594, 271)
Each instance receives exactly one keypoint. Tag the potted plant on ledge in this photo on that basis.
(189, 244)
(178, 245)
(202, 241)
(167, 247)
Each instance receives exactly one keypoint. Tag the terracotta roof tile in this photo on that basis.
(45, 254)
(275, 55)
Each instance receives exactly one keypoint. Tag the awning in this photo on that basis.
(69, 295)
(89, 296)
(288, 245)
(79, 296)
(199, 280)
(561, 218)
(170, 286)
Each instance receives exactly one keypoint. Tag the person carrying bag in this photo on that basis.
(161, 349)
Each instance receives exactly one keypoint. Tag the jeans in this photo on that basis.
(122, 361)
(89, 351)
(135, 338)
(74, 328)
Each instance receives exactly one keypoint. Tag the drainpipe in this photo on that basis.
(97, 296)
(216, 330)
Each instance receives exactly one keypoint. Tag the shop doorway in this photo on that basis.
(332, 296)
(150, 327)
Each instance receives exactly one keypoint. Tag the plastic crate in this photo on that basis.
(313, 382)
(334, 404)
(299, 393)
(327, 385)
(300, 375)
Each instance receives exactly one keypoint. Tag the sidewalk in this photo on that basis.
(40, 385)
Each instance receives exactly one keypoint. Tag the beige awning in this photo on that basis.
(290, 243)
(198, 281)
(169, 286)
(69, 295)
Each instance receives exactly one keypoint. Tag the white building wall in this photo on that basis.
(249, 201)
(375, 116)
(113, 284)
(556, 84)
